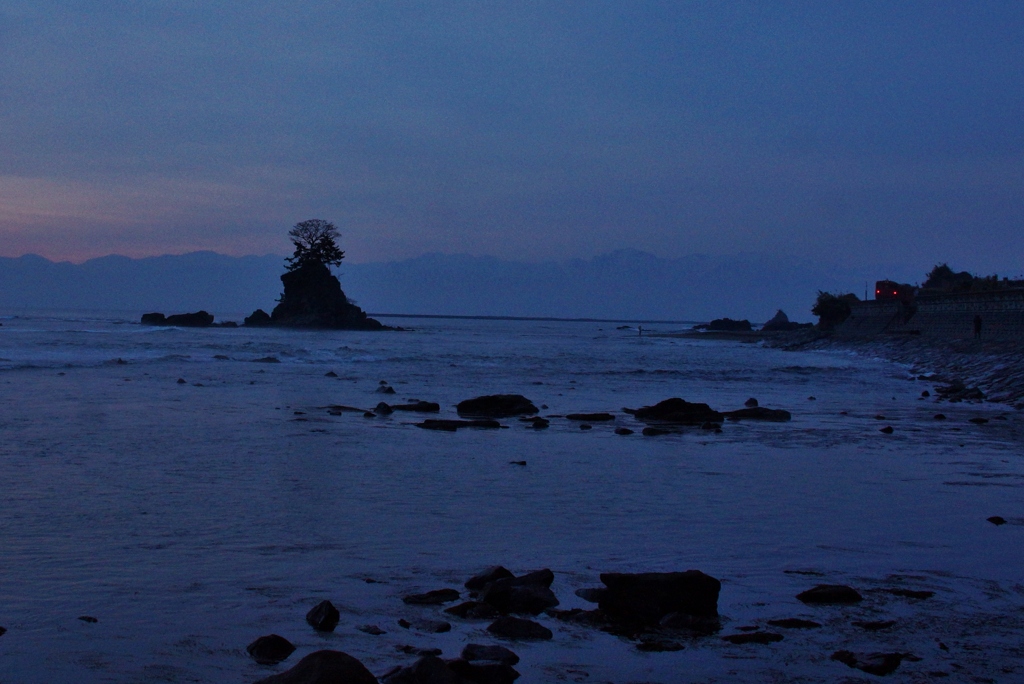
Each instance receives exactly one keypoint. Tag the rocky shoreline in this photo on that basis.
(970, 370)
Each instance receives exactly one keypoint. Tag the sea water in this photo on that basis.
(191, 496)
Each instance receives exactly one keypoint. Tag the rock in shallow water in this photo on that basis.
(645, 598)
(270, 649)
(432, 598)
(496, 406)
(825, 594)
(453, 425)
(491, 574)
(753, 638)
(519, 628)
(324, 667)
(794, 623)
(498, 654)
(323, 617)
(880, 664)
(677, 411)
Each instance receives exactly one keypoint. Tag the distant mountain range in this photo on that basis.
(623, 285)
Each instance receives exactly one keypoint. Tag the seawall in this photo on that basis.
(948, 317)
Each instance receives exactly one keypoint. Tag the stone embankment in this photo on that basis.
(972, 369)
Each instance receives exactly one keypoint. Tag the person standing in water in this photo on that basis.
(977, 326)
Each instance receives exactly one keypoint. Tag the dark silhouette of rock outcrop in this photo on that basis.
(258, 317)
(199, 319)
(313, 298)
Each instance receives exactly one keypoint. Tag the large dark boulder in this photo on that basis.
(496, 406)
(645, 598)
(324, 667)
(313, 299)
(676, 411)
(155, 318)
(529, 594)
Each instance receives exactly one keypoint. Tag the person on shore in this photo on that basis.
(977, 326)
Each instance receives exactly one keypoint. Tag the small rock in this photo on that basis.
(753, 638)
(759, 413)
(453, 425)
(418, 407)
(911, 593)
(270, 649)
(825, 594)
(658, 644)
(518, 463)
(385, 389)
(940, 416)
(887, 430)
(88, 618)
(383, 409)
(323, 617)
(880, 664)
(426, 670)
(623, 431)
(750, 403)
(432, 598)
(483, 672)
(416, 650)
(926, 394)
(591, 594)
(473, 610)
(496, 406)
(874, 625)
(794, 623)
(978, 421)
(427, 626)
(330, 374)
(585, 426)
(324, 667)
(497, 654)
(654, 432)
(591, 417)
(997, 520)
(697, 624)
(519, 628)
(267, 359)
(492, 574)
(369, 414)
(182, 381)
(812, 398)
(371, 629)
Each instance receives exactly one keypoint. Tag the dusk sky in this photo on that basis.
(855, 131)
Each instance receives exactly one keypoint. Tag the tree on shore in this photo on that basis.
(316, 242)
(831, 309)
